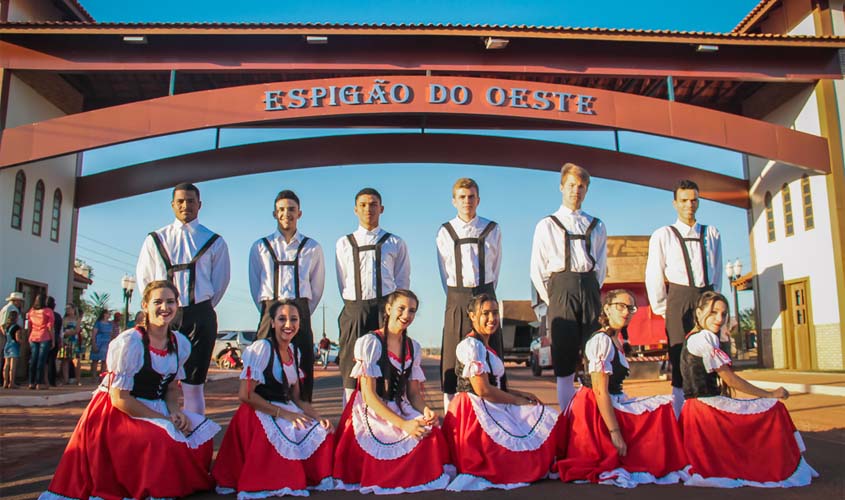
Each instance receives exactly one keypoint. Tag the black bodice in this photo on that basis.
(464, 383)
(272, 389)
(393, 386)
(697, 382)
(148, 383)
(620, 371)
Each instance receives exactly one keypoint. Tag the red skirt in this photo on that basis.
(476, 453)
(752, 440)
(114, 456)
(249, 463)
(421, 469)
(653, 437)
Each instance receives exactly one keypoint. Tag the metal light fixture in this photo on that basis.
(491, 43)
(128, 285)
(734, 272)
(706, 48)
(135, 39)
(317, 39)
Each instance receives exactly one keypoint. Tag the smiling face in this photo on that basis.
(160, 307)
(287, 214)
(466, 201)
(285, 323)
(400, 313)
(574, 191)
(712, 316)
(485, 320)
(618, 311)
(186, 205)
(686, 204)
(368, 208)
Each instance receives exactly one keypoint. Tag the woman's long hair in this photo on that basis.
(145, 299)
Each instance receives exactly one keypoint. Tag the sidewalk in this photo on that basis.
(827, 384)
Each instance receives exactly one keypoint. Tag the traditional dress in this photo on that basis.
(112, 455)
(262, 456)
(371, 454)
(648, 426)
(496, 445)
(735, 442)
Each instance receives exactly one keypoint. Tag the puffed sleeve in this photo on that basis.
(125, 359)
(255, 359)
(705, 344)
(416, 368)
(472, 354)
(184, 346)
(599, 351)
(367, 353)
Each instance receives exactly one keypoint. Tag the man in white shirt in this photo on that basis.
(289, 265)
(196, 260)
(469, 255)
(689, 256)
(371, 263)
(568, 267)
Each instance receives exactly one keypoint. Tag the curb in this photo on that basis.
(825, 390)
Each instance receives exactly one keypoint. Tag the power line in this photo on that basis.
(134, 255)
(105, 255)
(122, 269)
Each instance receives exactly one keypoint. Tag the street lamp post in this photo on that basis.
(733, 272)
(128, 284)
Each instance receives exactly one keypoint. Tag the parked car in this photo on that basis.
(236, 338)
(540, 357)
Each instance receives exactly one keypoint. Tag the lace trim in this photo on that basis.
(625, 479)
(468, 482)
(288, 441)
(440, 483)
(515, 427)
(377, 437)
(638, 406)
(802, 476)
(739, 406)
(203, 428)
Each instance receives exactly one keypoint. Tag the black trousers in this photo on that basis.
(456, 325)
(574, 307)
(357, 318)
(199, 324)
(304, 341)
(680, 320)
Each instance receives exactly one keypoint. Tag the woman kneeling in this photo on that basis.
(498, 439)
(614, 439)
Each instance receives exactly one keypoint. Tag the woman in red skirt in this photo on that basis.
(734, 442)
(276, 444)
(133, 441)
(498, 439)
(389, 440)
(614, 439)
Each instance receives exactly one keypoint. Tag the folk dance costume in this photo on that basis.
(735, 442)
(370, 265)
(371, 454)
(568, 267)
(648, 425)
(497, 445)
(112, 455)
(469, 256)
(262, 456)
(296, 271)
(690, 259)
(196, 260)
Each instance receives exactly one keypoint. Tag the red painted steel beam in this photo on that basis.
(401, 148)
(397, 54)
(245, 105)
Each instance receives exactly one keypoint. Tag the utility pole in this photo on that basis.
(324, 318)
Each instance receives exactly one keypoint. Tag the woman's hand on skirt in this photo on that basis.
(299, 420)
(430, 417)
(619, 442)
(415, 428)
(326, 424)
(180, 421)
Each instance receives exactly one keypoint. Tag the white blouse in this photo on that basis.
(257, 356)
(367, 354)
(473, 354)
(599, 351)
(705, 344)
(126, 358)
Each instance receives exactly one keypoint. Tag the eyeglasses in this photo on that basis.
(621, 306)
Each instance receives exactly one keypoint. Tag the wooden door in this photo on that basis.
(800, 347)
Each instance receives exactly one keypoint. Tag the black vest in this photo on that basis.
(464, 383)
(697, 382)
(620, 372)
(272, 389)
(148, 383)
(393, 386)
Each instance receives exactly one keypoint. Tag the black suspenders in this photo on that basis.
(459, 271)
(277, 264)
(356, 257)
(701, 236)
(191, 266)
(567, 250)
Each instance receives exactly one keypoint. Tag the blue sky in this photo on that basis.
(416, 197)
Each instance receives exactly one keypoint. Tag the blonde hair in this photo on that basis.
(575, 170)
(464, 183)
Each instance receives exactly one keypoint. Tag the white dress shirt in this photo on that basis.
(547, 250)
(312, 269)
(395, 264)
(182, 242)
(665, 258)
(469, 253)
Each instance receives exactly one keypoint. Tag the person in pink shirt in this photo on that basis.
(40, 331)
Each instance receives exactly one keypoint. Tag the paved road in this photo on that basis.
(32, 440)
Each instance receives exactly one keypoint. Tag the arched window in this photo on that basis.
(38, 208)
(57, 215)
(770, 217)
(807, 200)
(17, 199)
(787, 210)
